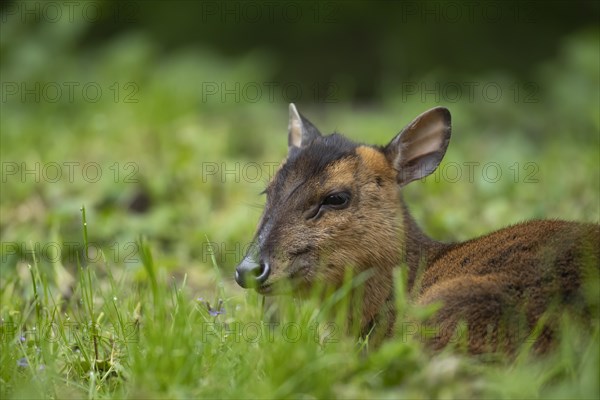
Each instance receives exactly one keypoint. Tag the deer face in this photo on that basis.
(334, 204)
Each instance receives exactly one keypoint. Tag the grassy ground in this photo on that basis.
(135, 298)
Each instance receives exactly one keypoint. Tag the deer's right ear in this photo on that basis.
(300, 130)
(417, 151)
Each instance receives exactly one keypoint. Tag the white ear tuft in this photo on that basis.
(294, 127)
(300, 130)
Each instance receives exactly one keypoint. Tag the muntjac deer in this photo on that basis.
(335, 205)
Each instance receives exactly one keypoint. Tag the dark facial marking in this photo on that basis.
(311, 161)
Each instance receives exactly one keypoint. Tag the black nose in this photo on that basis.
(251, 274)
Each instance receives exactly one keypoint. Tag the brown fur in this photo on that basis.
(499, 285)
(502, 283)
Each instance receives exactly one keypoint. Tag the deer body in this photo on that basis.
(336, 205)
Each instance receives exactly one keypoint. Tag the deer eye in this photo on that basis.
(336, 200)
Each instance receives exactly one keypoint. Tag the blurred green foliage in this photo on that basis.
(156, 122)
(177, 124)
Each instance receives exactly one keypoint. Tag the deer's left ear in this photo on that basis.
(300, 130)
(417, 151)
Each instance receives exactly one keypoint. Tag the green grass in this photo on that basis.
(113, 337)
(139, 301)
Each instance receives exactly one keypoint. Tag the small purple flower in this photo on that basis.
(214, 313)
(200, 299)
(22, 362)
(23, 339)
(217, 311)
